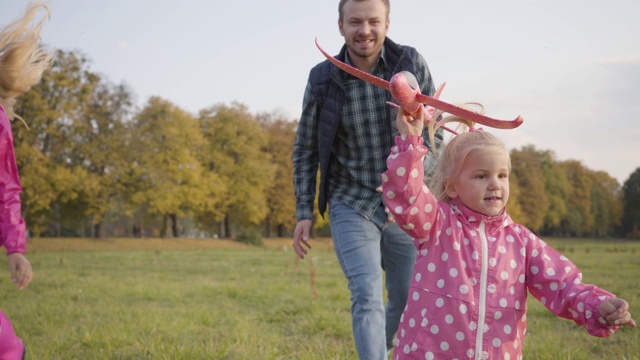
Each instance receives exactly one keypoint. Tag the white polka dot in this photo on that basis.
(425, 322)
(502, 249)
(401, 171)
(521, 278)
(491, 288)
(434, 329)
(464, 289)
(423, 312)
(510, 238)
(453, 272)
(470, 352)
(416, 296)
(431, 267)
(553, 286)
(406, 349)
(440, 283)
(412, 200)
(418, 277)
(439, 303)
(414, 173)
(497, 315)
(413, 211)
(496, 342)
(398, 210)
(474, 255)
(507, 329)
(504, 275)
(514, 264)
(534, 269)
(535, 253)
(429, 356)
(427, 226)
(391, 195)
(448, 319)
(428, 208)
(472, 326)
(551, 272)
(462, 308)
(412, 322)
(445, 256)
(581, 306)
(444, 346)
(456, 245)
(503, 302)
(492, 262)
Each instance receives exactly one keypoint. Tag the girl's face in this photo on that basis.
(483, 183)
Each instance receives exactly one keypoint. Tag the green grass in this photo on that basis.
(148, 299)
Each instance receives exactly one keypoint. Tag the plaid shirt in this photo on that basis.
(362, 144)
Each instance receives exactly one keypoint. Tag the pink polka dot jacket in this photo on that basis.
(12, 226)
(468, 297)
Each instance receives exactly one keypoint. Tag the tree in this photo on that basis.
(579, 219)
(44, 152)
(281, 200)
(236, 154)
(631, 205)
(530, 180)
(171, 181)
(557, 189)
(606, 206)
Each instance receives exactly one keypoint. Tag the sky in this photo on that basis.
(570, 68)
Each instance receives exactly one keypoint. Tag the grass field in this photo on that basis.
(216, 299)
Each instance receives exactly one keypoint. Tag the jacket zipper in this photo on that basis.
(483, 292)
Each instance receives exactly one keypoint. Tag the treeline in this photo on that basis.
(92, 164)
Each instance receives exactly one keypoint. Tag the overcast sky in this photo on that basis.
(571, 68)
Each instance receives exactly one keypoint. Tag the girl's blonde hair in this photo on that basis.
(22, 59)
(467, 143)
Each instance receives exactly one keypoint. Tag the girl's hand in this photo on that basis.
(20, 267)
(408, 125)
(616, 312)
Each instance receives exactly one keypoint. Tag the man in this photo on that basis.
(347, 128)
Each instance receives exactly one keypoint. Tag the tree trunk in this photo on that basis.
(268, 227)
(96, 230)
(174, 225)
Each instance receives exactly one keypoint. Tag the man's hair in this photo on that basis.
(342, 2)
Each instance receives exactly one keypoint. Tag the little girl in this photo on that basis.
(22, 62)
(469, 290)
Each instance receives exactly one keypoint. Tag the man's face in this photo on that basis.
(364, 26)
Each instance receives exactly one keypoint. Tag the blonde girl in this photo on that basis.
(468, 298)
(22, 61)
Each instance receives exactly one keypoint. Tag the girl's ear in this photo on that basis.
(450, 189)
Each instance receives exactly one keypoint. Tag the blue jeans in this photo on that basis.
(365, 248)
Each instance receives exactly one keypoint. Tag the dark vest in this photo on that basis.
(326, 80)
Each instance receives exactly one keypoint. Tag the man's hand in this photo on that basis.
(301, 237)
(20, 267)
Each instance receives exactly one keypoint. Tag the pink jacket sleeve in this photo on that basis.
(405, 191)
(557, 283)
(12, 226)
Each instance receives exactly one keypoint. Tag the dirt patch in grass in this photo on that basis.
(127, 244)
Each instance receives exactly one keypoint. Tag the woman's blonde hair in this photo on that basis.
(22, 58)
(467, 143)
